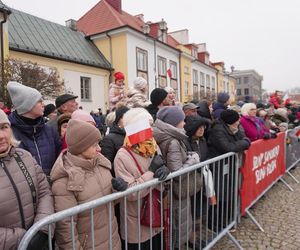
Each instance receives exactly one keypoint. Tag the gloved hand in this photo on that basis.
(119, 184)
(161, 173)
(38, 241)
(273, 135)
(156, 163)
(266, 136)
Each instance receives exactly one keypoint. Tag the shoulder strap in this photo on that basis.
(136, 163)
(28, 179)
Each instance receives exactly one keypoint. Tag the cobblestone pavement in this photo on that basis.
(278, 212)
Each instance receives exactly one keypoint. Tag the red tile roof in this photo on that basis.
(103, 17)
(172, 41)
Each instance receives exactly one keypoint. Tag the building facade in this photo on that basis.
(248, 85)
(81, 67)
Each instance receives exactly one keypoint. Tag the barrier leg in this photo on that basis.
(255, 221)
(293, 177)
(287, 185)
(234, 240)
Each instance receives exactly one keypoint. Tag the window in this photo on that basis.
(162, 72)
(195, 76)
(224, 86)
(238, 92)
(246, 79)
(162, 66)
(238, 81)
(186, 88)
(85, 88)
(194, 52)
(202, 81)
(186, 70)
(173, 67)
(195, 91)
(207, 81)
(213, 82)
(142, 60)
(246, 91)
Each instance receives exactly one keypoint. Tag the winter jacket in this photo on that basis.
(41, 140)
(222, 140)
(152, 111)
(126, 168)
(136, 99)
(116, 94)
(11, 231)
(76, 181)
(203, 110)
(217, 110)
(169, 140)
(254, 127)
(112, 142)
(197, 145)
(275, 100)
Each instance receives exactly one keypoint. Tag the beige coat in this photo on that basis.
(125, 167)
(11, 231)
(76, 181)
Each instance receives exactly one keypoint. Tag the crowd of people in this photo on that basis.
(55, 157)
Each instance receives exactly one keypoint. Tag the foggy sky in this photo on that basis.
(248, 34)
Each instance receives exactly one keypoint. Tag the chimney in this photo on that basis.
(116, 4)
(71, 23)
(140, 16)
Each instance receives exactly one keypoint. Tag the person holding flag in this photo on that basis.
(138, 162)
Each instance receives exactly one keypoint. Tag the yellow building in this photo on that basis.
(225, 82)
(81, 66)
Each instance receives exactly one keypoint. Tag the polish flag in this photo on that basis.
(138, 132)
(169, 72)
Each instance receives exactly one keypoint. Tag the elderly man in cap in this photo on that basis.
(190, 109)
(65, 104)
(29, 126)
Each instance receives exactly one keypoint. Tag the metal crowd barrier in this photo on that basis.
(213, 209)
(292, 150)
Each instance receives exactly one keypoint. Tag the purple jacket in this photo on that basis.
(254, 127)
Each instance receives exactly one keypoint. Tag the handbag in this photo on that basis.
(149, 201)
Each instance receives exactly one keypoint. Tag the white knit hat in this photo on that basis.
(136, 114)
(23, 98)
(139, 83)
(3, 117)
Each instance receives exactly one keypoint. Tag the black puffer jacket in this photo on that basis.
(112, 142)
(203, 110)
(221, 140)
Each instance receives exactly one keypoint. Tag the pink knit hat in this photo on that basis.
(82, 116)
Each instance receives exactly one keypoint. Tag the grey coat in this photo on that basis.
(176, 157)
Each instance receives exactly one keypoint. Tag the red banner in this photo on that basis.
(263, 164)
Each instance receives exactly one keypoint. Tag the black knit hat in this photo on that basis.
(49, 108)
(192, 123)
(229, 116)
(157, 96)
(119, 113)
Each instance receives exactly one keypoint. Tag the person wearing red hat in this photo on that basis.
(116, 90)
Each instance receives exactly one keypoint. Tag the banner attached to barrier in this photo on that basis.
(263, 164)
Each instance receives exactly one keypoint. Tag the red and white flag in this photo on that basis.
(169, 72)
(138, 132)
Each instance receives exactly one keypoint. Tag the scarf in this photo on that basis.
(146, 148)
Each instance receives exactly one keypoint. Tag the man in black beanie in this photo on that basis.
(159, 98)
